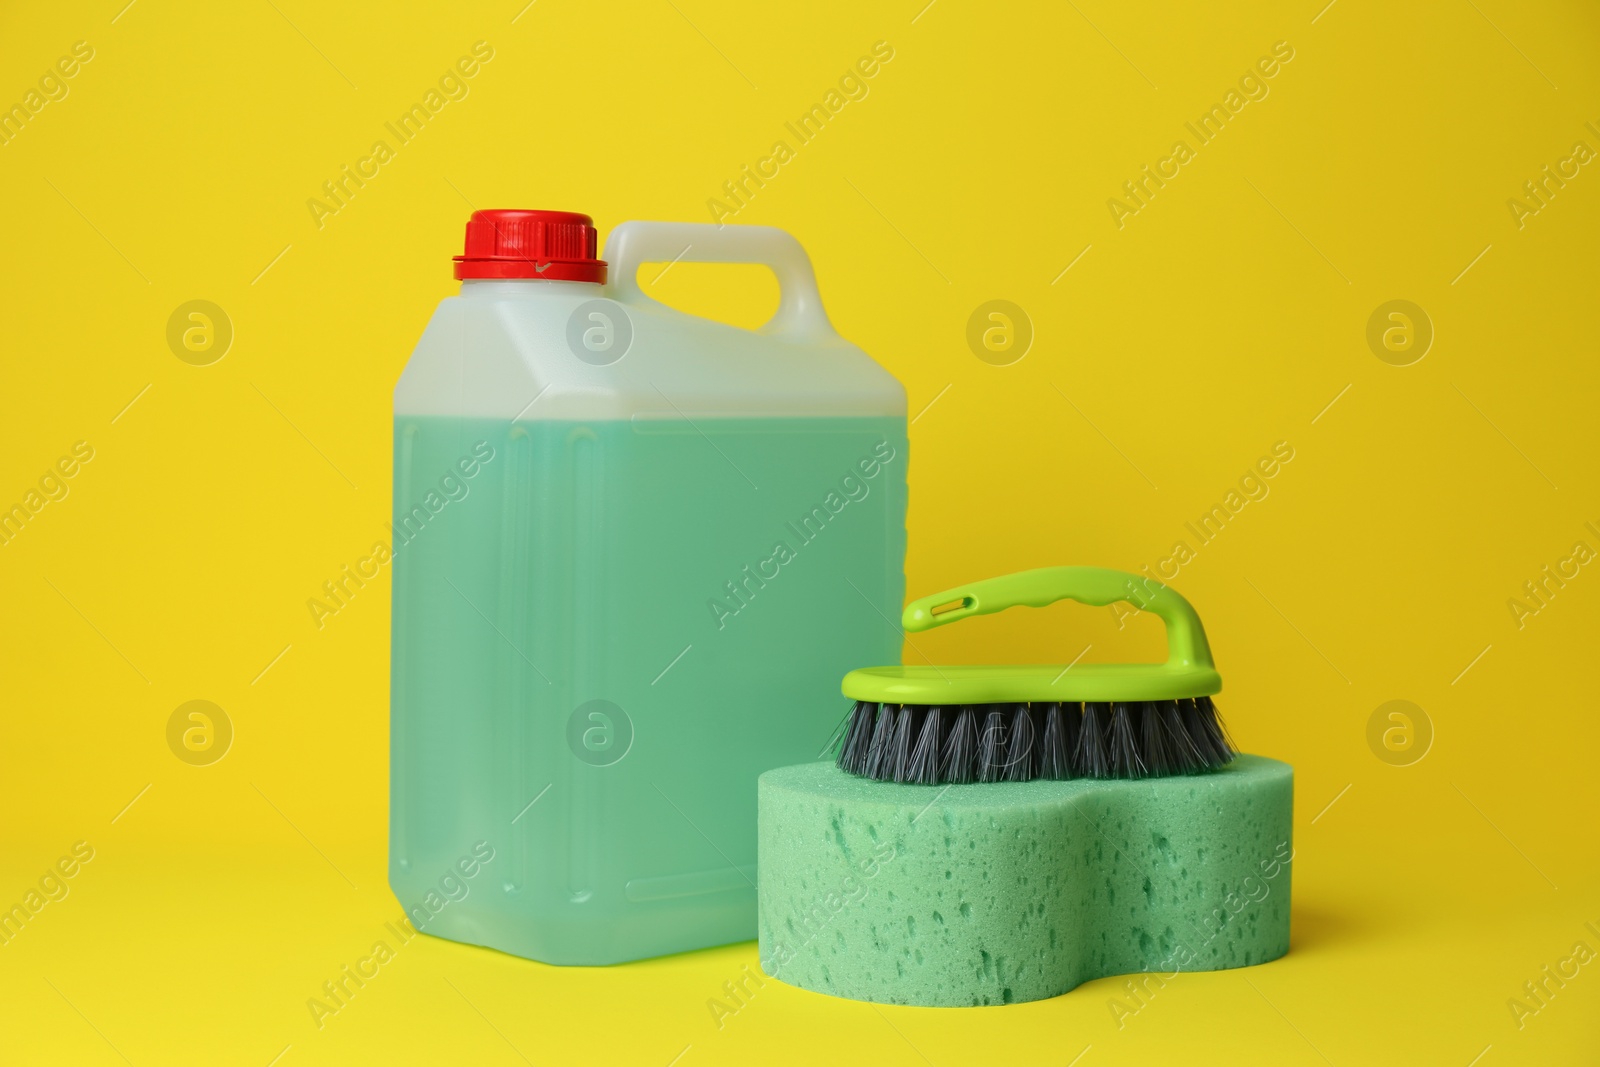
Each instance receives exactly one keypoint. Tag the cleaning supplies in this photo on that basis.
(1040, 863)
(610, 515)
(1099, 720)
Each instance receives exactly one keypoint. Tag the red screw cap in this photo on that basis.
(553, 245)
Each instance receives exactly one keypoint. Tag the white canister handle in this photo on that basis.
(799, 316)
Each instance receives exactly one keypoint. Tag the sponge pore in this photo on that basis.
(999, 893)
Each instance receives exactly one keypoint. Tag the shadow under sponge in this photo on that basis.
(999, 893)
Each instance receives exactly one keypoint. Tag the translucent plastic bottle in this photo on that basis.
(635, 551)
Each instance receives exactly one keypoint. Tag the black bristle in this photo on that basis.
(924, 768)
(1195, 730)
(1020, 746)
(1090, 759)
(1055, 755)
(1153, 746)
(1125, 761)
(1071, 723)
(1181, 757)
(857, 737)
(879, 746)
(899, 759)
(1037, 714)
(958, 764)
(924, 744)
(1220, 741)
(991, 746)
(1186, 759)
(1201, 733)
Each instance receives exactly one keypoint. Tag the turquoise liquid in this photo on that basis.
(575, 684)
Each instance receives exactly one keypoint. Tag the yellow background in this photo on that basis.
(1224, 317)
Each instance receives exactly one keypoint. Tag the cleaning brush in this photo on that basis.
(927, 725)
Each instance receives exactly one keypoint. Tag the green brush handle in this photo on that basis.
(1188, 671)
(1095, 586)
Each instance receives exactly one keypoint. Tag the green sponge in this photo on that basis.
(998, 893)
